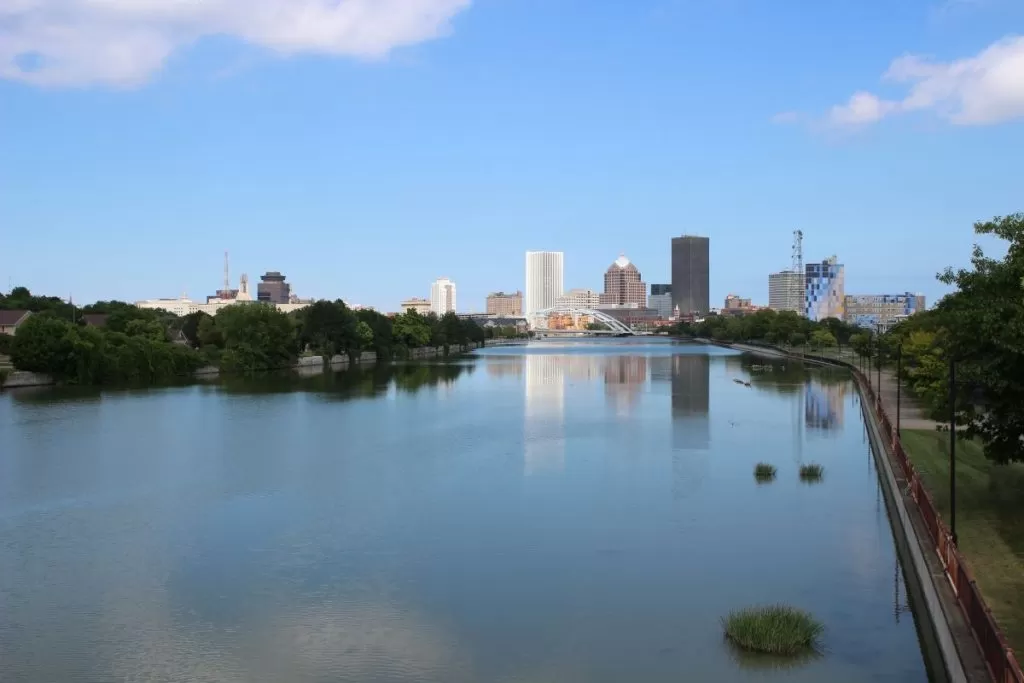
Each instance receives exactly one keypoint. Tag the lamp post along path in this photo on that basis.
(952, 449)
(899, 385)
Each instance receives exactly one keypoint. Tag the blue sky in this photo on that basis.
(366, 150)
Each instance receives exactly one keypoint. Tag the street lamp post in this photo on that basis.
(878, 347)
(952, 449)
(899, 385)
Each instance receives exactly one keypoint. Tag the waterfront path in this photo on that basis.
(912, 413)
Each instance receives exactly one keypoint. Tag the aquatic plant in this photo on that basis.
(776, 630)
(811, 473)
(764, 471)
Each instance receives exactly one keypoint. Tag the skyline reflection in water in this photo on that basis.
(554, 516)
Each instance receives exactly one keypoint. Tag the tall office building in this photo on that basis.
(661, 300)
(273, 289)
(623, 286)
(442, 296)
(543, 281)
(786, 292)
(824, 292)
(691, 274)
(500, 303)
(660, 289)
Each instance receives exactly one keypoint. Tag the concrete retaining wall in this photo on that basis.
(950, 651)
(20, 378)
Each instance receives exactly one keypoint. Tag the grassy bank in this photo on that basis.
(989, 520)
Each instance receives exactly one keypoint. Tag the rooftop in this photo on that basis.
(8, 318)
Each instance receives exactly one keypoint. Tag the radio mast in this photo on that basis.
(796, 290)
(227, 279)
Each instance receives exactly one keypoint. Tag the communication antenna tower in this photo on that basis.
(227, 280)
(796, 294)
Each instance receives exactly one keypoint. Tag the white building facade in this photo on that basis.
(183, 306)
(580, 298)
(544, 284)
(786, 292)
(442, 296)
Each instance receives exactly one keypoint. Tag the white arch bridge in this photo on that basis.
(540, 322)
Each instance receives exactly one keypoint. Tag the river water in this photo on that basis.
(560, 512)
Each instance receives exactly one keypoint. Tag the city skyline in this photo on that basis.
(131, 177)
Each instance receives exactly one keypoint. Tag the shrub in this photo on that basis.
(777, 630)
(811, 473)
(764, 472)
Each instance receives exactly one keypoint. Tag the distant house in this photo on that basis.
(95, 319)
(10, 320)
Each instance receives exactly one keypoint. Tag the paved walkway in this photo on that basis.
(912, 415)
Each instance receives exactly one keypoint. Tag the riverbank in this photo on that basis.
(989, 519)
(17, 379)
(990, 534)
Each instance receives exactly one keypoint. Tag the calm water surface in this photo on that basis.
(562, 512)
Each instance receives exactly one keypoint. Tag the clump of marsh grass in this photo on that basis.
(811, 473)
(764, 472)
(773, 630)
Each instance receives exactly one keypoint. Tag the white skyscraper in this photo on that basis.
(543, 281)
(442, 296)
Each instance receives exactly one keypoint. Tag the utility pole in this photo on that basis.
(899, 384)
(952, 449)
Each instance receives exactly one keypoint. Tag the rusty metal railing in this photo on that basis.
(1001, 661)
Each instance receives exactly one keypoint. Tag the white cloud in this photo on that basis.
(985, 89)
(124, 42)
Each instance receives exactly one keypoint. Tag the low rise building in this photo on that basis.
(580, 299)
(11, 320)
(183, 306)
(736, 306)
(421, 306)
(637, 317)
(500, 303)
(875, 311)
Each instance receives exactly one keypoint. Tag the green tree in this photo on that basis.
(150, 329)
(862, 344)
(190, 327)
(411, 330)
(43, 344)
(822, 339)
(208, 334)
(983, 331)
(365, 334)
(329, 328)
(20, 298)
(256, 337)
(383, 332)
(451, 331)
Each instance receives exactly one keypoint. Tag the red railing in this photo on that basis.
(999, 657)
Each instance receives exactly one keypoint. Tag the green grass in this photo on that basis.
(764, 472)
(774, 630)
(811, 473)
(989, 519)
